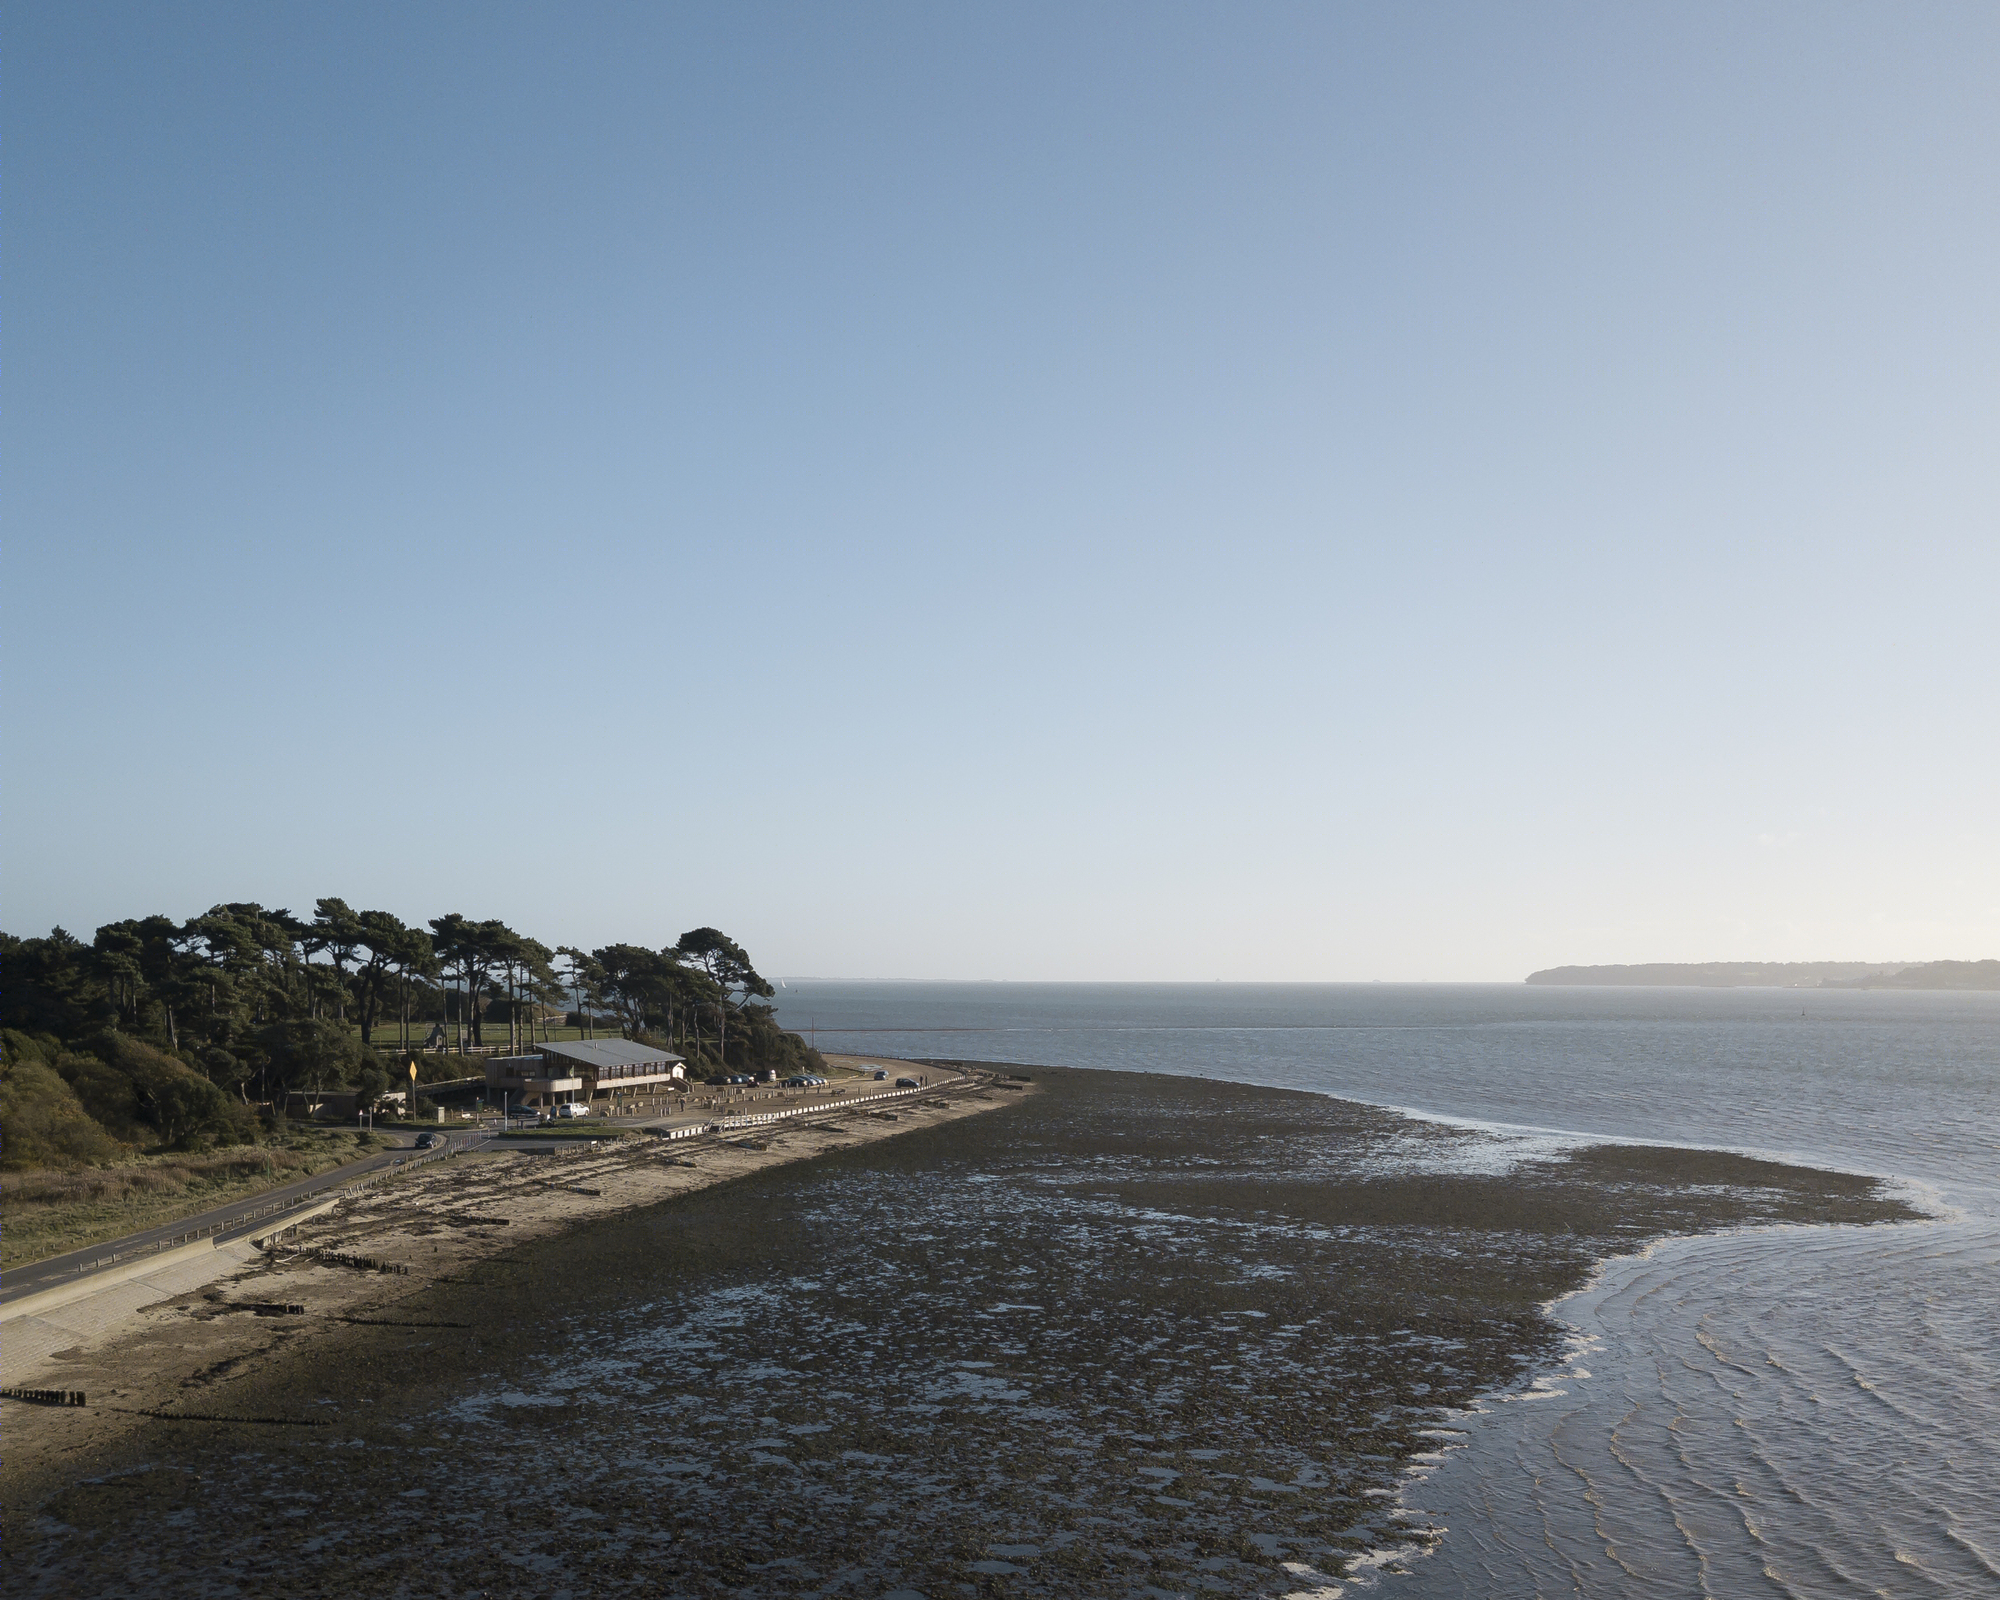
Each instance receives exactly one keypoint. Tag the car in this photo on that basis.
(797, 1083)
(739, 1077)
(426, 1140)
(880, 1075)
(575, 1108)
(908, 1083)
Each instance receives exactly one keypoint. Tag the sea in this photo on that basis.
(1785, 1411)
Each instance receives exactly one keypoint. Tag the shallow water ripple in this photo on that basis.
(1793, 1412)
(1860, 1461)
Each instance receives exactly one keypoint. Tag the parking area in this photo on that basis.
(851, 1079)
(848, 1078)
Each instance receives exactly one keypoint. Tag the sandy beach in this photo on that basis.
(141, 1355)
(1121, 1334)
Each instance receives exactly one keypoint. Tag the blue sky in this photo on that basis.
(1316, 492)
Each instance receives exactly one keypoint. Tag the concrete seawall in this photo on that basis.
(63, 1294)
(60, 1319)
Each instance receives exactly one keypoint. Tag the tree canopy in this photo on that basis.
(165, 1032)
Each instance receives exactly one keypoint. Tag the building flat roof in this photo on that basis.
(608, 1052)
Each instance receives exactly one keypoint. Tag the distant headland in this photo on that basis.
(1779, 975)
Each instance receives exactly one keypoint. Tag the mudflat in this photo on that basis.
(1123, 1334)
(356, 1261)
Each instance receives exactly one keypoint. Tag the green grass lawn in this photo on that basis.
(46, 1213)
(389, 1036)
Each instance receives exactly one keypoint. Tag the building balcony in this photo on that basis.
(610, 1078)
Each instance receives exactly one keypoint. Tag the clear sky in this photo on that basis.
(1112, 491)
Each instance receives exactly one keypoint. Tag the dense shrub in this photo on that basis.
(313, 1055)
(370, 1082)
(443, 1067)
(105, 1092)
(183, 1110)
(42, 1123)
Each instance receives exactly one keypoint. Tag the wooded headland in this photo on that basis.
(177, 1045)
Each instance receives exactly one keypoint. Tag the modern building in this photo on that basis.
(583, 1069)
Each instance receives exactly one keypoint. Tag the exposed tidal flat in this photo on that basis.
(1131, 1334)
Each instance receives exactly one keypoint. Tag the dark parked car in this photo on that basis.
(426, 1140)
(879, 1076)
(908, 1083)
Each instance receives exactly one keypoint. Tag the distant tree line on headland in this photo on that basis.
(170, 1033)
(1779, 975)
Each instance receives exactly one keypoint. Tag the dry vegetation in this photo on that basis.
(442, 1225)
(47, 1213)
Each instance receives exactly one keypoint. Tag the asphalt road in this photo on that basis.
(220, 1221)
(46, 1274)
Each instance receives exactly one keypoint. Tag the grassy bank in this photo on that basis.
(47, 1213)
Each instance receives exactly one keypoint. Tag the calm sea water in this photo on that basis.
(1796, 1412)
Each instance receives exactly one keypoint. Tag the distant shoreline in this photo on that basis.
(1927, 975)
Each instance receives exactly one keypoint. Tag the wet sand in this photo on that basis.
(135, 1354)
(1126, 1334)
